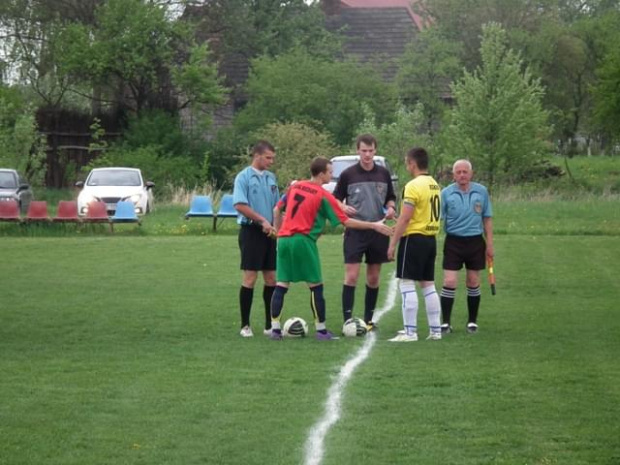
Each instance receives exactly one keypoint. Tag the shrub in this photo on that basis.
(296, 145)
(21, 146)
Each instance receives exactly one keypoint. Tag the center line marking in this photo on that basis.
(315, 444)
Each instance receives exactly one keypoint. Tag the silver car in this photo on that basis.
(13, 186)
(341, 163)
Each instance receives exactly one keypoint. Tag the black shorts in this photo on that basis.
(358, 243)
(470, 251)
(258, 251)
(416, 257)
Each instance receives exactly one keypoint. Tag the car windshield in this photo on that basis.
(340, 165)
(114, 178)
(7, 180)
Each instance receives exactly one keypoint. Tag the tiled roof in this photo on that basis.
(386, 4)
(377, 35)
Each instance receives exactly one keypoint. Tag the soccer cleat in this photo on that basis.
(405, 338)
(267, 332)
(372, 326)
(434, 337)
(246, 331)
(275, 335)
(325, 336)
(446, 328)
(472, 328)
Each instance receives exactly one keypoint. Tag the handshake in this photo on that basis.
(383, 228)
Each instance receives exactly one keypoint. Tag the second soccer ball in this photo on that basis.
(295, 327)
(354, 327)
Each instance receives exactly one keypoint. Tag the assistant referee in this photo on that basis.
(467, 217)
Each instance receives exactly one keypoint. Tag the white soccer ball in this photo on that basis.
(354, 327)
(295, 327)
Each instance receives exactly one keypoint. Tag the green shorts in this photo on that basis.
(298, 260)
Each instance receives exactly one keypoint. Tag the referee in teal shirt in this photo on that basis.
(255, 195)
(467, 218)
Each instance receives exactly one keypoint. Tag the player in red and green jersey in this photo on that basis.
(308, 206)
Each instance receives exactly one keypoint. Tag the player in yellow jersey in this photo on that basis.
(415, 232)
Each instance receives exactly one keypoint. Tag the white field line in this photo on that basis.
(315, 444)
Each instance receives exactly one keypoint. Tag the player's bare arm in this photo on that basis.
(378, 226)
(401, 226)
(487, 224)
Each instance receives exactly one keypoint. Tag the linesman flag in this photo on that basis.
(491, 274)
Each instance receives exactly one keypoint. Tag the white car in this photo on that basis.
(112, 185)
(341, 163)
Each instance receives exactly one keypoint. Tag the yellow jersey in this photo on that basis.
(423, 193)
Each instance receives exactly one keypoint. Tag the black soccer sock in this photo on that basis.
(370, 302)
(245, 303)
(447, 301)
(267, 294)
(473, 303)
(348, 299)
(277, 302)
(317, 303)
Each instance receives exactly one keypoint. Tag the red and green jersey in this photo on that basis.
(308, 207)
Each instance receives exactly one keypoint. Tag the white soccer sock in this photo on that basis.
(433, 308)
(409, 305)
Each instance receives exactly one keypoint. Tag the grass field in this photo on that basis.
(124, 350)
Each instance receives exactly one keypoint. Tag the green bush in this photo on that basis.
(21, 146)
(326, 95)
(222, 157)
(163, 130)
(296, 145)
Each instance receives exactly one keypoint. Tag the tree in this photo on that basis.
(606, 91)
(134, 52)
(21, 145)
(498, 121)
(461, 21)
(607, 94)
(429, 65)
(326, 95)
(396, 138)
(28, 31)
(252, 28)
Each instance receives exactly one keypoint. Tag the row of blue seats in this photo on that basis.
(201, 206)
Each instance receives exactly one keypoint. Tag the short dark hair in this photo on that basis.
(367, 139)
(261, 147)
(319, 165)
(420, 156)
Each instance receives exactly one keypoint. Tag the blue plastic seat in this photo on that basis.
(226, 210)
(200, 207)
(125, 213)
